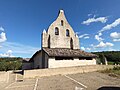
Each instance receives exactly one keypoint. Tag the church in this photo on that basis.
(60, 47)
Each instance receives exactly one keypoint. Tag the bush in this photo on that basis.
(114, 72)
(111, 63)
(98, 61)
(116, 68)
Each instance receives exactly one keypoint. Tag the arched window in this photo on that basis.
(49, 41)
(67, 33)
(61, 22)
(56, 31)
(71, 43)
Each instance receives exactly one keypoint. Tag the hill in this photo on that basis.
(111, 56)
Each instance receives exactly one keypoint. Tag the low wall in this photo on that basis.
(68, 70)
(4, 76)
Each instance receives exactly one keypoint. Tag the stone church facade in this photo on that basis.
(61, 47)
(60, 34)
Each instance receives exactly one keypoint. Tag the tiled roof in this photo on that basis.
(64, 52)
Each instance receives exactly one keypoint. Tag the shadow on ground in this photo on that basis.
(18, 72)
(108, 88)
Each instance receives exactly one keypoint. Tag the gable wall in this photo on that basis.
(38, 60)
(61, 40)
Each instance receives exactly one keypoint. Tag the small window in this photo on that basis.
(81, 58)
(89, 58)
(67, 33)
(56, 31)
(85, 58)
(61, 22)
(63, 58)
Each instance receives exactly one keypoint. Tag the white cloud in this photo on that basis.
(3, 37)
(1, 28)
(102, 44)
(91, 20)
(111, 49)
(115, 35)
(110, 26)
(81, 36)
(89, 14)
(77, 32)
(7, 54)
(83, 48)
(116, 40)
(9, 51)
(98, 38)
(91, 45)
(86, 37)
(88, 49)
(19, 49)
(100, 34)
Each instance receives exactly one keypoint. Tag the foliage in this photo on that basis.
(98, 61)
(10, 64)
(115, 72)
(111, 63)
(111, 56)
(116, 68)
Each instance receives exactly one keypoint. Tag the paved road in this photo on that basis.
(84, 81)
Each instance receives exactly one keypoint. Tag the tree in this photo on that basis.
(10, 64)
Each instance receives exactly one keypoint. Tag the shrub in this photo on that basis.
(116, 68)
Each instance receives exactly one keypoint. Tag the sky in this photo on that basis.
(97, 23)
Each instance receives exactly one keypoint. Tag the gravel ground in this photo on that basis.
(84, 81)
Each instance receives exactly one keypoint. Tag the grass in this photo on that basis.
(111, 63)
(115, 72)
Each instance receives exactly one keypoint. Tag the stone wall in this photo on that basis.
(38, 61)
(60, 41)
(63, 71)
(68, 63)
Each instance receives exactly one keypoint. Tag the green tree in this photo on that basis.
(10, 64)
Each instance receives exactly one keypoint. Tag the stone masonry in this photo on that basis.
(49, 39)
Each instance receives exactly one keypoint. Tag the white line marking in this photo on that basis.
(78, 88)
(8, 77)
(15, 77)
(75, 81)
(9, 85)
(35, 87)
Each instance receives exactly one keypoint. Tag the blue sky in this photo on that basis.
(97, 23)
